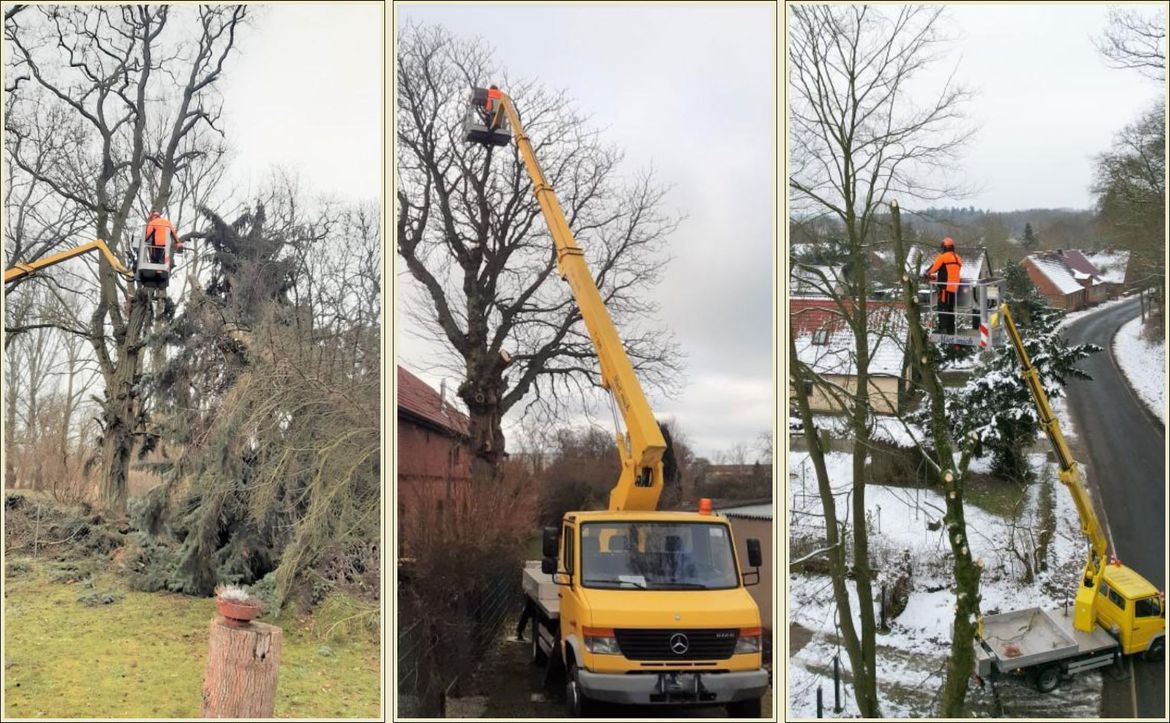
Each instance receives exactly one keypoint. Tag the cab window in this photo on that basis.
(1116, 599)
(569, 550)
(1146, 607)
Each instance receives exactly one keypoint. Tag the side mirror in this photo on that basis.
(755, 559)
(549, 544)
(548, 565)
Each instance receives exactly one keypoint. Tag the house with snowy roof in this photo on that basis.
(826, 344)
(1066, 279)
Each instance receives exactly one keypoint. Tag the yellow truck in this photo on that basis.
(1116, 611)
(638, 606)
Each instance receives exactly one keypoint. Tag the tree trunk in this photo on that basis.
(482, 393)
(961, 663)
(121, 409)
(242, 669)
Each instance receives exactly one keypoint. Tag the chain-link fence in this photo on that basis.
(440, 644)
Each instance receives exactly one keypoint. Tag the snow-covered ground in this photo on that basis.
(1144, 365)
(912, 656)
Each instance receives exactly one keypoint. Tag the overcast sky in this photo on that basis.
(304, 92)
(690, 89)
(1046, 100)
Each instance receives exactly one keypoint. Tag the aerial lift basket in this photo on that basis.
(977, 319)
(477, 123)
(154, 262)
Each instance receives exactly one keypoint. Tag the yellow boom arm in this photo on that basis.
(641, 448)
(17, 271)
(1070, 476)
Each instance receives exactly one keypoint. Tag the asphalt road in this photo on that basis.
(1123, 450)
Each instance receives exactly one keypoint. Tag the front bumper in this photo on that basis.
(674, 687)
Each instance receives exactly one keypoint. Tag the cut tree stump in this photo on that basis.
(242, 668)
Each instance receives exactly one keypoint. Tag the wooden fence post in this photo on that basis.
(242, 668)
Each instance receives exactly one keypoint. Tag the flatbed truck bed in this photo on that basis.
(1042, 644)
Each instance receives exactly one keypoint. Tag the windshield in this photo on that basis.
(657, 556)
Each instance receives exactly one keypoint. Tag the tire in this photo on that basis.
(576, 704)
(538, 656)
(1157, 651)
(750, 708)
(1047, 678)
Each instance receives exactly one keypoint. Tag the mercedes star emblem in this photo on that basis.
(679, 644)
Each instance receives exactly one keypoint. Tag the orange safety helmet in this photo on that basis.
(948, 244)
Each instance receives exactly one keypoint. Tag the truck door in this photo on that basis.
(1147, 622)
(570, 595)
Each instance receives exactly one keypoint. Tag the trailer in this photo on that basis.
(1041, 645)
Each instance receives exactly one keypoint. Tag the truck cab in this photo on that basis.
(653, 609)
(1129, 608)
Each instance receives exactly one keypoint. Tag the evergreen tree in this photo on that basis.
(996, 406)
(1030, 240)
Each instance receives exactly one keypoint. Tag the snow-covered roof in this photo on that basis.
(831, 350)
(1056, 273)
(816, 279)
(1111, 264)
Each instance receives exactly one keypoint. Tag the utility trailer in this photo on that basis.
(1041, 645)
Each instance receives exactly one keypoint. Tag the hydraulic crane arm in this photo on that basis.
(18, 271)
(641, 448)
(1070, 476)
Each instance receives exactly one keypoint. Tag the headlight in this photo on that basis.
(601, 641)
(749, 640)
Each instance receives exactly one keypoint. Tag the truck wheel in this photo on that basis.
(1156, 651)
(750, 708)
(538, 656)
(1047, 678)
(577, 704)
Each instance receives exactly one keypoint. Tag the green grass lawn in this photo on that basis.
(143, 655)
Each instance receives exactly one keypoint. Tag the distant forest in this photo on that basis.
(1005, 234)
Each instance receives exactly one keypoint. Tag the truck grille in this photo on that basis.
(659, 644)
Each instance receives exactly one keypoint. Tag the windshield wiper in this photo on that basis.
(682, 585)
(616, 583)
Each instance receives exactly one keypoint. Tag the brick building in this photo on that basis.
(433, 453)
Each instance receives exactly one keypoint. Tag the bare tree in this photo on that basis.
(860, 136)
(103, 68)
(471, 235)
(1135, 41)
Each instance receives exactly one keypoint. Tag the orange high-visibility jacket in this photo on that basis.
(156, 232)
(947, 266)
(493, 95)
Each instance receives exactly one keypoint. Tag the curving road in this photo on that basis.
(1123, 449)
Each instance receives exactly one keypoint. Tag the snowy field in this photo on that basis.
(1144, 365)
(912, 655)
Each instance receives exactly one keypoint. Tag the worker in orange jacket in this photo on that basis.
(157, 229)
(945, 273)
(489, 105)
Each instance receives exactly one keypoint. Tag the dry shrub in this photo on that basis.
(473, 526)
(463, 551)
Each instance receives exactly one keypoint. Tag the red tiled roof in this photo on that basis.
(1076, 260)
(416, 398)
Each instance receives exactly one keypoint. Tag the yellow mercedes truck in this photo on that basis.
(1115, 611)
(635, 605)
